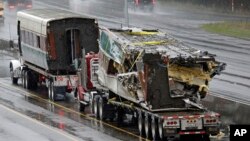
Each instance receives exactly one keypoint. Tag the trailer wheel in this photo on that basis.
(91, 106)
(155, 134)
(51, 92)
(101, 108)
(27, 80)
(96, 110)
(160, 129)
(140, 123)
(23, 79)
(13, 79)
(206, 137)
(147, 126)
(81, 107)
(120, 116)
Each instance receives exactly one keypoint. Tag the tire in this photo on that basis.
(91, 106)
(147, 124)
(26, 80)
(101, 109)
(13, 79)
(160, 129)
(23, 79)
(52, 92)
(141, 123)
(34, 81)
(81, 107)
(29, 80)
(206, 137)
(96, 106)
(49, 91)
(120, 116)
(154, 128)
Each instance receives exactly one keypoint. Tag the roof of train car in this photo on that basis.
(49, 14)
(152, 41)
(37, 19)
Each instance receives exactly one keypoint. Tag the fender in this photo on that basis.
(15, 68)
(15, 64)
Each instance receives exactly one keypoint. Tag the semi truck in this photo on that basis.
(144, 74)
(50, 43)
(155, 79)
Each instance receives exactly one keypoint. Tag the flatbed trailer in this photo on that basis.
(157, 125)
(153, 124)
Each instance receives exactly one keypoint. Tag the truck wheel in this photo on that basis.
(155, 134)
(96, 109)
(147, 126)
(26, 79)
(34, 80)
(52, 91)
(13, 79)
(101, 108)
(206, 137)
(120, 116)
(91, 106)
(23, 79)
(140, 123)
(160, 129)
(81, 107)
(49, 91)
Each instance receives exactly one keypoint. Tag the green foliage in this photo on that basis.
(234, 29)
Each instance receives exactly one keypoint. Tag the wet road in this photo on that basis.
(63, 115)
(16, 125)
(232, 85)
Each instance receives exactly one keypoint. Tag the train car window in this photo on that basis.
(22, 36)
(38, 41)
(34, 40)
(26, 37)
(43, 43)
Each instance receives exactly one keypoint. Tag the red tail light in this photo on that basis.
(210, 121)
(11, 6)
(29, 6)
(154, 2)
(172, 123)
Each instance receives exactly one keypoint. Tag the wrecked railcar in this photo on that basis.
(151, 67)
(152, 77)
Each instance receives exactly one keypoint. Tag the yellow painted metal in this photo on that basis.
(152, 43)
(191, 76)
(141, 33)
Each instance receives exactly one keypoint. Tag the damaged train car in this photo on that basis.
(154, 69)
(153, 77)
